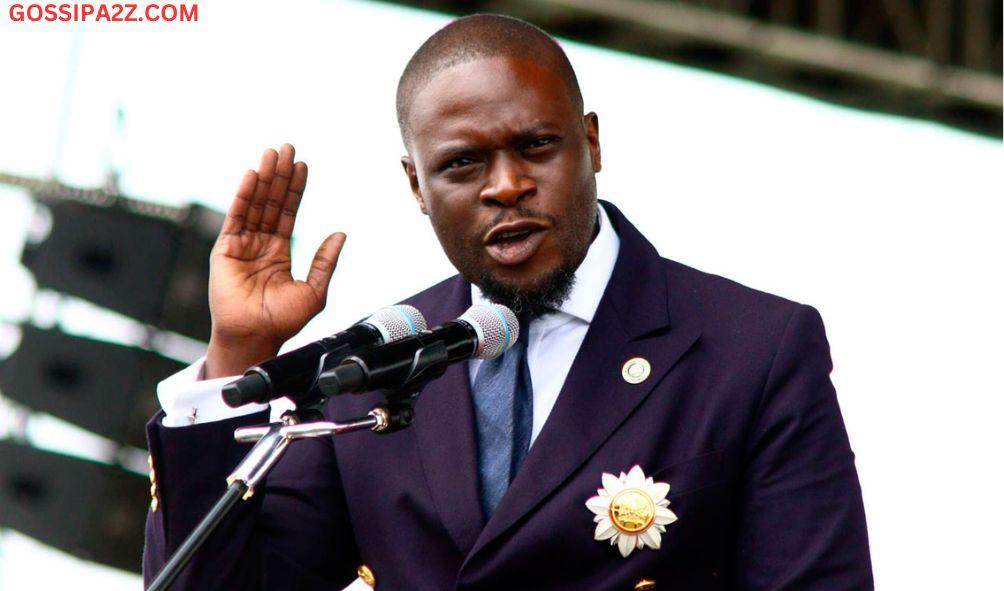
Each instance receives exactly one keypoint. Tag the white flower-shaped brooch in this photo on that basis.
(631, 511)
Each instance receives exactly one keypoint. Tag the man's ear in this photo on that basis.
(409, 171)
(592, 125)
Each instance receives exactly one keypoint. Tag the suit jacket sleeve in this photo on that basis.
(293, 533)
(802, 522)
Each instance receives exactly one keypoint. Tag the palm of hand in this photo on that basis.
(253, 290)
(254, 299)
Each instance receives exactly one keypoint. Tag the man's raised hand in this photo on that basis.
(255, 303)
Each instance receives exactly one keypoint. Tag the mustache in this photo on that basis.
(521, 213)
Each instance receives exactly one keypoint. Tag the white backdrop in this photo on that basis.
(890, 227)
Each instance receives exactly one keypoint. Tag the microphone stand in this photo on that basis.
(273, 439)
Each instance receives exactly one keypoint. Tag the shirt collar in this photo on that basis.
(591, 277)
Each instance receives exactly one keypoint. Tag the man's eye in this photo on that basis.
(459, 163)
(540, 142)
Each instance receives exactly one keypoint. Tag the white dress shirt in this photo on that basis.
(554, 340)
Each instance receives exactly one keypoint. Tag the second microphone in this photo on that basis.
(294, 373)
(484, 332)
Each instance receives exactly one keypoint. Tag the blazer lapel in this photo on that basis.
(444, 425)
(632, 320)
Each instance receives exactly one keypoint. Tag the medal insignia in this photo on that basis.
(632, 511)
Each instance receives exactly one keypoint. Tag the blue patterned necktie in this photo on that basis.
(503, 408)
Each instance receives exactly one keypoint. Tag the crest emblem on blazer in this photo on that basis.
(631, 511)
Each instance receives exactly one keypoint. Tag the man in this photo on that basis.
(656, 427)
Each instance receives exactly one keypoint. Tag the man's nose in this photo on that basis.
(508, 183)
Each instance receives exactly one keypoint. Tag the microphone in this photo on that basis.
(484, 331)
(295, 372)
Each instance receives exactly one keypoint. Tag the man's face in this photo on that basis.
(504, 166)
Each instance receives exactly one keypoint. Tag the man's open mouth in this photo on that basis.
(515, 242)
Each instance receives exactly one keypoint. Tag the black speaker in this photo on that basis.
(105, 388)
(186, 303)
(94, 511)
(154, 268)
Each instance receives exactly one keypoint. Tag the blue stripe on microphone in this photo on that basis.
(505, 325)
(407, 318)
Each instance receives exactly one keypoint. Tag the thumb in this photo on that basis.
(324, 264)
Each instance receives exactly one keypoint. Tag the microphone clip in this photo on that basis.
(429, 363)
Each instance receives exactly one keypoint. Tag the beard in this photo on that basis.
(545, 296)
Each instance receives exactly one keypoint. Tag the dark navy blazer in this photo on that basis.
(738, 415)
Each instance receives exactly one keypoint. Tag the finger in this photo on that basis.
(277, 192)
(239, 208)
(266, 171)
(324, 264)
(287, 217)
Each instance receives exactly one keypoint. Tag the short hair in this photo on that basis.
(474, 37)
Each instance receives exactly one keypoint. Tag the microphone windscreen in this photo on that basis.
(496, 327)
(396, 322)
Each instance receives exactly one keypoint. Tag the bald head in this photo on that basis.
(475, 37)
